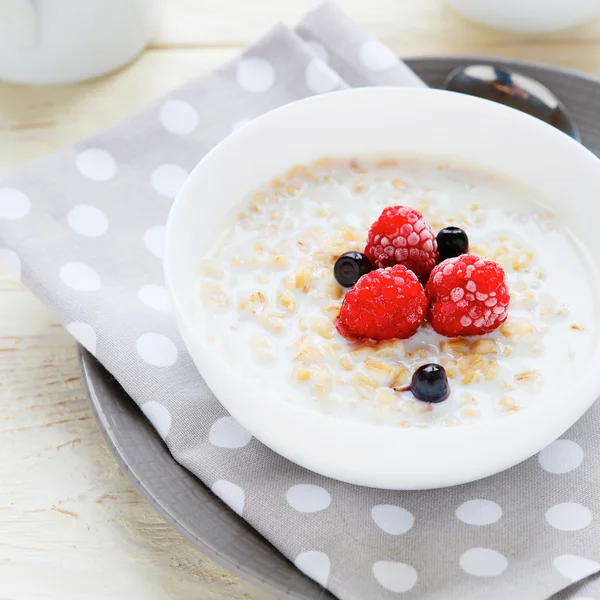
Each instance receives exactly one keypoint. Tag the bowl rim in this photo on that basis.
(588, 386)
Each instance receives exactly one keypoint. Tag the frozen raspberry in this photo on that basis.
(383, 305)
(401, 236)
(468, 296)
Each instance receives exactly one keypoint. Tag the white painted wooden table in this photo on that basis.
(71, 526)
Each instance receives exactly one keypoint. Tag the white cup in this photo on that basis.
(528, 15)
(46, 42)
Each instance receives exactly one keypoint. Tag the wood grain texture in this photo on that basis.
(71, 526)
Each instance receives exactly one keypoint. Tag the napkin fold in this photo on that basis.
(85, 230)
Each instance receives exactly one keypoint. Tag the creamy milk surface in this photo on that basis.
(268, 300)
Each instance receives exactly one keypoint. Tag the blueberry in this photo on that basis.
(350, 267)
(452, 241)
(430, 384)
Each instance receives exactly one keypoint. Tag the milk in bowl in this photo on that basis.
(268, 302)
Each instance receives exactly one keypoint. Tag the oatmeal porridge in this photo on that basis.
(269, 301)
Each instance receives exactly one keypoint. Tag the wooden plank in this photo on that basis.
(237, 23)
(72, 526)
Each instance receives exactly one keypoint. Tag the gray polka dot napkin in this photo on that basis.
(86, 226)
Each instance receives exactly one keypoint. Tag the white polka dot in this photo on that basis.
(395, 576)
(255, 74)
(11, 261)
(84, 334)
(154, 238)
(156, 349)
(226, 432)
(392, 519)
(569, 516)
(315, 564)
(159, 416)
(318, 49)
(240, 124)
(233, 495)
(377, 56)
(96, 164)
(308, 498)
(80, 277)
(575, 567)
(178, 116)
(483, 562)
(479, 512)
(14, 204)
(87, 220)
(319, 77)
(561, 456)
(168, 179)
(156, 297)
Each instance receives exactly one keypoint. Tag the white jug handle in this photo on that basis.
(18, 24)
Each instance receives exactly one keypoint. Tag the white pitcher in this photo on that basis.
(62, 41)
(528, 15)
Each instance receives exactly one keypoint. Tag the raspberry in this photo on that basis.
(383, 305)
(401, 236)
(468, 295)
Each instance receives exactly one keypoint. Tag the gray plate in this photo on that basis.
(182, 499)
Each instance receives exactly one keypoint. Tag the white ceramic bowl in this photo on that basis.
(528, 16)
(395, 121)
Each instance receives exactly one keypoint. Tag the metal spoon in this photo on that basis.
(515, 90)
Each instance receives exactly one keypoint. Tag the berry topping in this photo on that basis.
(430, 384)
(468, 296)
(401, 236)
(383, 305)
(350, 267)
(451, 242)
